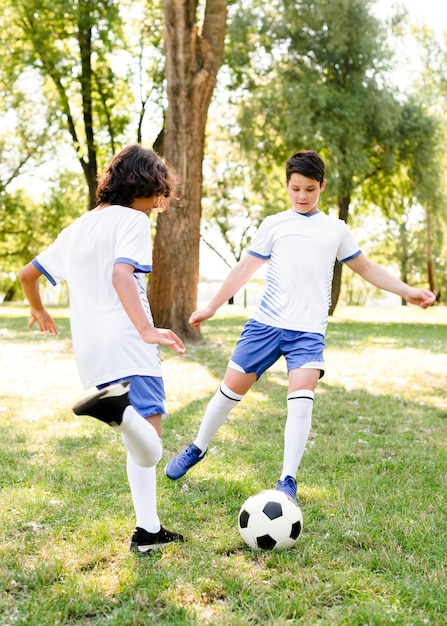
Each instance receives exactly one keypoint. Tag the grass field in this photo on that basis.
(372, 486)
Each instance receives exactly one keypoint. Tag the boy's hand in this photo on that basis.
(44, 321)
(198, 317)
(422, 297)
(165, 337)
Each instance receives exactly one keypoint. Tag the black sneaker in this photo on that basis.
(144, 541)
(107, 404)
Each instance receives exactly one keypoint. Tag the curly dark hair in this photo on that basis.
(136, 172)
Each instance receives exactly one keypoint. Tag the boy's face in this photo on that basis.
(304, 193)
(145, 205)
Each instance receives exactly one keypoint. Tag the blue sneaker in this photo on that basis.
(287, 486)
(180, 464)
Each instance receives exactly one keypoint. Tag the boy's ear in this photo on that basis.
(323, 185)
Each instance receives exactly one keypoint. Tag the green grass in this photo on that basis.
(372, 486)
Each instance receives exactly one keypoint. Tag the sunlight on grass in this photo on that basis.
(41, 375)
(317, 493)
(200, 382)
(371, 486)
(384, 364)
(399, 315)
(407, 373)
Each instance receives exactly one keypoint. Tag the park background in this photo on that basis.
(226, 91)
(364, 83)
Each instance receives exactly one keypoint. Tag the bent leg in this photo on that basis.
(303, 378)
(239, 382)
(141, 438)
(230, 393)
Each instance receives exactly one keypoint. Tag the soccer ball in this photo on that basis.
(270, 520)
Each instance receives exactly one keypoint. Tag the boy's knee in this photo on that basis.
(148, 456)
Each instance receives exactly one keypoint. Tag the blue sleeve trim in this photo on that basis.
(259, 256)
(351, 257)
(142, 269)
(43, 271)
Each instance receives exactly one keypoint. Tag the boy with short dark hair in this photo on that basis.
(104, 256)
(301, 245)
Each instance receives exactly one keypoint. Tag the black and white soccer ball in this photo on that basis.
(270, 520)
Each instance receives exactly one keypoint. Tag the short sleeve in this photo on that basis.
(262, 242)
(134, 243)
(51, 262)
(348, 248)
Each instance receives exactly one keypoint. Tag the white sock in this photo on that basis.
(140, 438)
(143, 487)
(297, 429)
(217, 411)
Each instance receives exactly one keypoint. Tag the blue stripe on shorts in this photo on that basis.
(260, 346)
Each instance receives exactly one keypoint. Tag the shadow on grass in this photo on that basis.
(362, 468)
(371, 486)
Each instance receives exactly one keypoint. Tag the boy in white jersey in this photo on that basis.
(290, 319)
(104, 256)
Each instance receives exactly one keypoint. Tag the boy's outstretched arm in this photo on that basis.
(128, 294)
(237, 278)
(379, 277)
(29, 278)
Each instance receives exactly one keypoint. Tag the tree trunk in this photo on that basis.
(404, 256)
(10, 293)
(193, 59)
(430, 267)
(343, 211)
(86, 81)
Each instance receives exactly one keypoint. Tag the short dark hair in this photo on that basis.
(306, 162)
(135, 172)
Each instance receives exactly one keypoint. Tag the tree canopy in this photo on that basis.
(295, 74)
(321, 82)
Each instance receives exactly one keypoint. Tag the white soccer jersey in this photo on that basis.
(302, 250)
(106, 344)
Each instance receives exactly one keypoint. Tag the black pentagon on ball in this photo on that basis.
(296, 530)
(273, 510)
(243, 519)
(266, 542)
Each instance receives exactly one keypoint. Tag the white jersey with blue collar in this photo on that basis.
(106, 344)
(302, 250)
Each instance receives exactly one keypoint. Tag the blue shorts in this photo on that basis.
(146, 394)
(260, 346)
